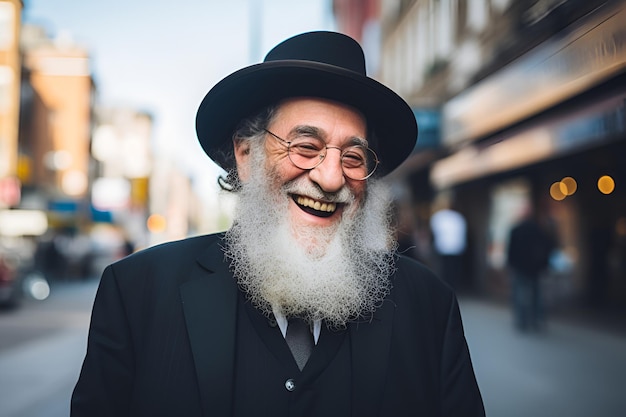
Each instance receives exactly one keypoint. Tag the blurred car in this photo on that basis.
(10, 280)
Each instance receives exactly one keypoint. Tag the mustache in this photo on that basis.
(303, 186)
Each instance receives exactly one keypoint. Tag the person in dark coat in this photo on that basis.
(303, 307)
(528, 255)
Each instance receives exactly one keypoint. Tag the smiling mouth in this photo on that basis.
(315, 207)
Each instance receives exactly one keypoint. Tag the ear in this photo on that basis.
(242, 157)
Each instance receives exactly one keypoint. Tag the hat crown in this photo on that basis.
(323, 64)
(330, 48)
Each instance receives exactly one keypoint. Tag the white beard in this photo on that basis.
(335, 274)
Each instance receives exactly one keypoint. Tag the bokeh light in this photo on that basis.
(156, 223)
(568, 186)
(606, 184)
(74, 183)
(556, 192)
(40, 290)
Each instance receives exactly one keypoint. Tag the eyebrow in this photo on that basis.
(319, 133)
(306, 130)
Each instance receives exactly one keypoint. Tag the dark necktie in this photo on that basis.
(300, 340)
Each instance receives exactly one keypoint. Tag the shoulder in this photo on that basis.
(191, 246)
(415, 284)
(169, 257)
(412, 273)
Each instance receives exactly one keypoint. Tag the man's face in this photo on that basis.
(309, 242)
(338, 126)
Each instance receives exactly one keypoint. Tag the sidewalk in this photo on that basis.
(42, 349)
(37, 378)
(568, 370)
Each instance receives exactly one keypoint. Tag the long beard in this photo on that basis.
(335, 274)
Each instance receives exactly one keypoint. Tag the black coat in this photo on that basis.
(162, 336)
(530, 246)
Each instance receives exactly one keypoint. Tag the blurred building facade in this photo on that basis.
(86, 168)
(519, 102)
(10, 25)
(56, 100)
(55, 126)
(176, 209)
(122, 168)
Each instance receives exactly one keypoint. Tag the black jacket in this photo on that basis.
(162, 338)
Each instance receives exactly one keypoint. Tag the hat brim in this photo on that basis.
(249, 90)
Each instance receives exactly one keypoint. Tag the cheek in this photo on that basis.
(358, 189)
(278, 165)
(283, 171)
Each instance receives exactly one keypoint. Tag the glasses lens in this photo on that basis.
(306, 152)
(358, 162)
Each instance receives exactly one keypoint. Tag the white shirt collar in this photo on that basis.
(281, 320)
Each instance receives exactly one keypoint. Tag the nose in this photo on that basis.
(329, 174)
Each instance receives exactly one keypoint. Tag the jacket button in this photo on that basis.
(290, 384)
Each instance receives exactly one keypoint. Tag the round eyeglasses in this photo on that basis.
(358, 162)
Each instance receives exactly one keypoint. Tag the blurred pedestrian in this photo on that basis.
(449, 230)
(303, 307)
(49, 257)
(529, 248)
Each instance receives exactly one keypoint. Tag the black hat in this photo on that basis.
(316, 64)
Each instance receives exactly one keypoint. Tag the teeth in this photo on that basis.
(316, 205)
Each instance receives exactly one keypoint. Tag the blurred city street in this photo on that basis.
(514, 190)
(42, 344)
(568, 370)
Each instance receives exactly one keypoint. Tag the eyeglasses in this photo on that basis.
(358, 162)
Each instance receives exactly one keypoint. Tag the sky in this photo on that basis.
(163, 57)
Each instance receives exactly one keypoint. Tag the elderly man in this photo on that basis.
(303, 307)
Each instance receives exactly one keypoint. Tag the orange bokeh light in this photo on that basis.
(606, 184)
(556, 191)
(156, 223)
(568, 186)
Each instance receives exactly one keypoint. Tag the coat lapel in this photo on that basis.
(371, 342)
(209, 299)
